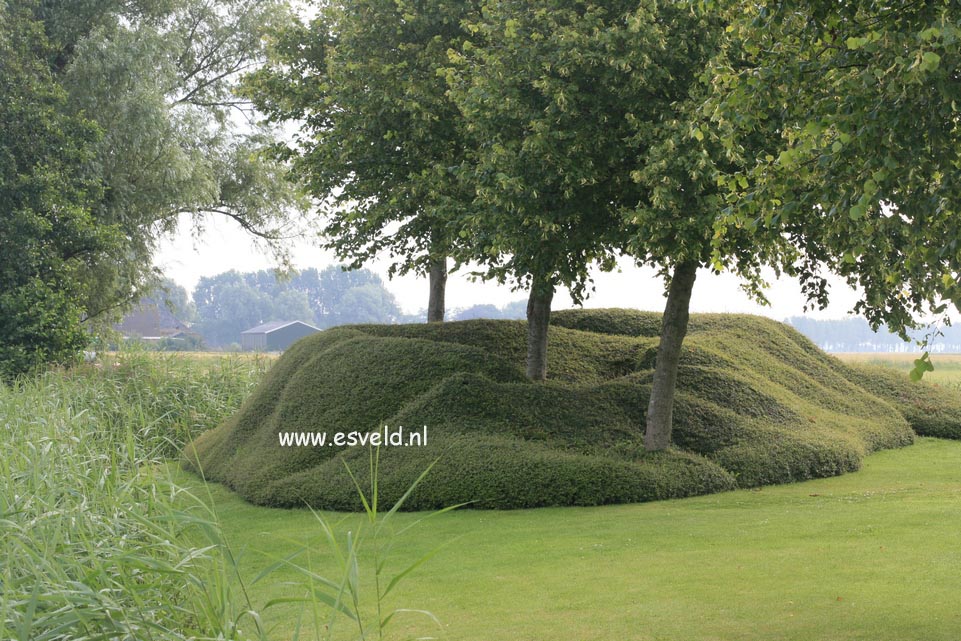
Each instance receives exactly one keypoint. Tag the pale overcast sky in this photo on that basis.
(225, 246)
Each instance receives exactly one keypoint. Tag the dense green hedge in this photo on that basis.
(619, 322)
(757, 404)
(930, 409)
(493, 471)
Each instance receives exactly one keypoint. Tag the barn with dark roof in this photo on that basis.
(152, 322)
(275, 336)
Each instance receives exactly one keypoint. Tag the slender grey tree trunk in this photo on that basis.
(538, 318)
(660, 410)
(438, 287)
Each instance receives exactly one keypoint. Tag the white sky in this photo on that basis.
(224, 246)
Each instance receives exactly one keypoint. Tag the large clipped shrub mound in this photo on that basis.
(757, 403)
(931, 409)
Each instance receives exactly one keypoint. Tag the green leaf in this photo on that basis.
(929, 61)
(855, 42)
(857, 212)
(921, 365)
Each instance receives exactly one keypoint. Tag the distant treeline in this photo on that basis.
(516, 310)
(225, 305)
(855, 335)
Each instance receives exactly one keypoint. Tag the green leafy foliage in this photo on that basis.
(156, 78)
(116, 119)
(589, 142)
(921, 365)
(863, 176)
(344, 595)
(757, 404)
(623, 322)
(548, 92)
(378, 138)
(48, 235)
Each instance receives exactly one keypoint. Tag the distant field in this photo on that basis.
(947, 367)
(202, 355)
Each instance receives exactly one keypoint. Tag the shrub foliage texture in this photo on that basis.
(758, 404)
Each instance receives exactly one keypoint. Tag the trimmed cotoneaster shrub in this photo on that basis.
(931, 409)
(758, 404)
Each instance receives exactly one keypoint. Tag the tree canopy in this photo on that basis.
(158, 79)
(48, 234)
(589, 141)
(378, 138)
(532, 140)
(125, 113)
(865, 178)
(551, 93)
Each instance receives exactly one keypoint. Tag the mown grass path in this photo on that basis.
(874, 555)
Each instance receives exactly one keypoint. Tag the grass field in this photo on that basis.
(99, 540)
(947, 367)
(870, 555)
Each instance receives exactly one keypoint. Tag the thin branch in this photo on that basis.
(204, 85)
(123, 302)
(241, 220)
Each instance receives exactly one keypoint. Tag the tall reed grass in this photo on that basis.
(363, 551)
(96, 540)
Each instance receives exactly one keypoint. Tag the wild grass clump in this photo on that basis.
(170, 398)
(95, 542)
(362, 555)
(757, 404)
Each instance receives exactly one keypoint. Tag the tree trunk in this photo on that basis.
(438, 287)
(673, 328)
(538, 317)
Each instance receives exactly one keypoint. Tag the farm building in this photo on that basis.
(151, 322)
(275, 336)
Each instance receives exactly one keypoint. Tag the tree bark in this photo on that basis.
(538, 318)
(438, 288)
(660, 410)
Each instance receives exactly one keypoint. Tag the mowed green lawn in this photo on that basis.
(874, 555)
